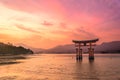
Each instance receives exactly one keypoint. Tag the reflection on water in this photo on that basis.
(10, 59)
(63, 67)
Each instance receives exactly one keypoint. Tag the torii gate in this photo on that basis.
(80, 43)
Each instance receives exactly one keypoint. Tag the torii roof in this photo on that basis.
(85, 41)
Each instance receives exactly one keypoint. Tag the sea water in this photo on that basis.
(63, 67)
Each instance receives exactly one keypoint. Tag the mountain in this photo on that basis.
(11, 49)
(106, 47)
(35, 50)
(61, 49)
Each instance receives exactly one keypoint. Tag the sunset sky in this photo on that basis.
(47, 23)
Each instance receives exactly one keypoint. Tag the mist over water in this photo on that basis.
(63, 67)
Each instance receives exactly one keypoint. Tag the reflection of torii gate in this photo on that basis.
(78, 45)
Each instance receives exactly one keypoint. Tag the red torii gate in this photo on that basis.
(79, 43)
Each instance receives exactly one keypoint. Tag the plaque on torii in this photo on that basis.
(80, 43)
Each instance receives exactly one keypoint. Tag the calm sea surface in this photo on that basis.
(63, 67)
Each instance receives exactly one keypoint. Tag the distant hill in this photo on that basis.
(108, 47)
(61, 49)
(11, 49)
(35, 50)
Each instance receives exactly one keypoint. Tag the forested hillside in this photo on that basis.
(11, 49)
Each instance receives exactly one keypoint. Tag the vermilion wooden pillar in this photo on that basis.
(91, 52)
(78, 52)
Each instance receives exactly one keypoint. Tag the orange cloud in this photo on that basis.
(26, 29)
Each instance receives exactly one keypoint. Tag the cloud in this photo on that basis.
(34, 6)
(39, 41)
(88, 35)
(26, 29)
(46, 23)
(63, 25)
(18, 5)
(74, 33)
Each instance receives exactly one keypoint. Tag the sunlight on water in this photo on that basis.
(63, 67)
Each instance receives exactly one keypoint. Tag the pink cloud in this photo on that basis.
(46, 23)
(35, 6)
(63, 25)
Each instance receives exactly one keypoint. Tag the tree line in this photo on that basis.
(11, 49)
